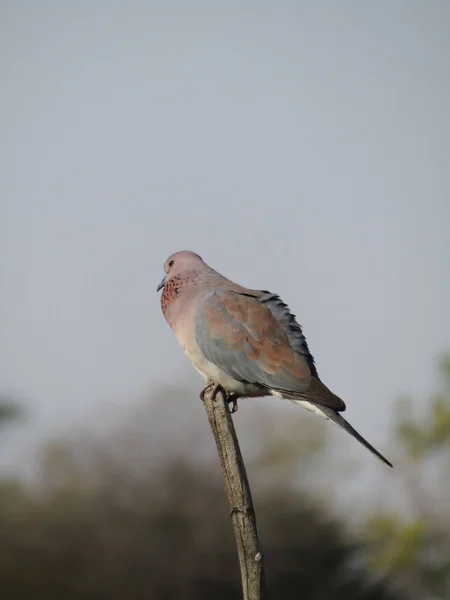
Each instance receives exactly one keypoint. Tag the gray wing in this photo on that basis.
(241, 336)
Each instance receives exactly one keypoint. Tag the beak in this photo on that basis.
(161, 285)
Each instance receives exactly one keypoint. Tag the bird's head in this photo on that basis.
(178, 263)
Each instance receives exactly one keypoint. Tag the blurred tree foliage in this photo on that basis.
(413, 544)
(9, 411)
(140, 515)
(101, 524)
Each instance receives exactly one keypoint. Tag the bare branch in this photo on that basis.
(239, 495)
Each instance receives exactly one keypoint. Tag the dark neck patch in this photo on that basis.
(170, 291)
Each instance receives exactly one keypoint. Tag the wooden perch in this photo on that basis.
(238, 492)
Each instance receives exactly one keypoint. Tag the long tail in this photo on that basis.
(339, 420)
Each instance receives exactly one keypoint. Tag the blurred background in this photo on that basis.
(300, 147)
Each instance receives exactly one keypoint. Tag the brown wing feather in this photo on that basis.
(242, 336)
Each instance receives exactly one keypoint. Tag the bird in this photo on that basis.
(245, 341)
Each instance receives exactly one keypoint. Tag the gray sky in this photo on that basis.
(301, 147)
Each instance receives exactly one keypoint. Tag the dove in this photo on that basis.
(246, 341)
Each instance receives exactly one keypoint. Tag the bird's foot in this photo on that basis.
(213, 387)
(232, 399)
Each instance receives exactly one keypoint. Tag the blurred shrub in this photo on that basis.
(102, 524)
(413, 543)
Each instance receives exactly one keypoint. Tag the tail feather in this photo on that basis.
(339, 420)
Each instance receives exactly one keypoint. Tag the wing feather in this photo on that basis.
(240, 335)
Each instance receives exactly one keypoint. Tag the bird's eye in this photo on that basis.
(171, 263)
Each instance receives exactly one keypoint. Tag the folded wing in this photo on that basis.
(239, 334)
